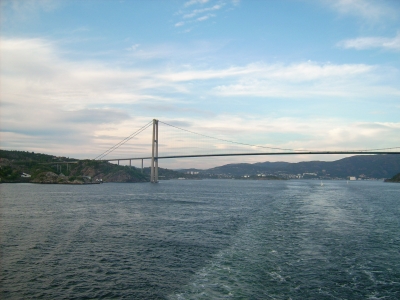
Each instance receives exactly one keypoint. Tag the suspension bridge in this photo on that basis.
(195, 151)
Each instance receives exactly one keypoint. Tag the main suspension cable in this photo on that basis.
(228, 141)
(275, 148)
(116, 146)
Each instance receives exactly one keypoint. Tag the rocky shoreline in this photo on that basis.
(395, 178)
(53, 178)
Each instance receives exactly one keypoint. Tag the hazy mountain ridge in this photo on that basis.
(364, 166)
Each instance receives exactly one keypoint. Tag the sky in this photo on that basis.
(77, 77)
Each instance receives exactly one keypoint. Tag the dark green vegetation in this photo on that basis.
(14, 163)
(8, 173)
(395, 178)
(45, 168)
(24, 157)
(108, 172)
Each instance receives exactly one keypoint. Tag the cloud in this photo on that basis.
(179, 24)
(28, 6)
(33, 68)
(235, 2)
(366, 9)
(56, 105)
(133, 47)
(363, 43)
(192, 51)
(175, 109)
(63, 103)
(203, 18)
(305, 80)
(319, 134)
(194, 11)
(96, 116)
(301, 80)
(203, 10)
(22, 10)
(193, 2)
(300, 72)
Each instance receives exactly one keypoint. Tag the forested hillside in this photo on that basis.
(364, 166)
(43, 168)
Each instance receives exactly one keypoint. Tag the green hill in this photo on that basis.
(365, 166)
(395, 178)
(44, 168)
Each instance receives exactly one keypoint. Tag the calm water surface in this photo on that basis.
(208, 239)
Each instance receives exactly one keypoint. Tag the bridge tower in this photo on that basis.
(154, 153)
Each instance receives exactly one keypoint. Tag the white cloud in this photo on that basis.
(63, 103)
(301, 80)
(179, 24)
(235, 2)
(318, 134)
(300, 72)
(190, 51)
(372, 42)
(203, 18)
(133, 47)
(193, 2)
(32, 67)
(25, 9)
(95, 116)
(196, 12)
(24, 6)
(367, 9)
(54, 105)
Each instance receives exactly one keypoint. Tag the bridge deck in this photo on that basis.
(257, 153)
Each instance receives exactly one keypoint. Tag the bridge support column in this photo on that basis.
(142, 165)
(154, 154)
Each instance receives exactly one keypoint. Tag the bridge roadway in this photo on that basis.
(252, 154)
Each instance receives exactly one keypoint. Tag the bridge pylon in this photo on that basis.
(154, 153)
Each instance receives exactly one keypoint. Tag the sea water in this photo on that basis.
(201, 239)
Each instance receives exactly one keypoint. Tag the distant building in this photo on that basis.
(25, 175)
(352, 178)
(192, 172)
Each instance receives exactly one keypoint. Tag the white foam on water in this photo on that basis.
(232, 272)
